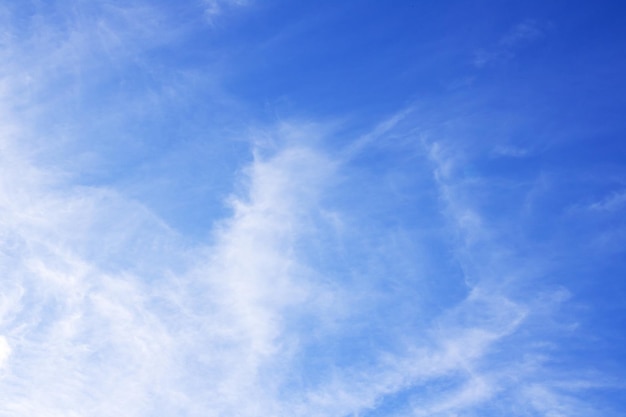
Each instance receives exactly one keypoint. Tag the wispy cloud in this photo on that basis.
(222, 332)
(614, 202)
(299, 302)
(85, 324)
(509, 44)
(215, 8)
(492, 270)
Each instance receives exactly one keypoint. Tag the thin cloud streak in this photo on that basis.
(508, 46)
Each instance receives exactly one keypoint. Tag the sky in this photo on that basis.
(272, 208)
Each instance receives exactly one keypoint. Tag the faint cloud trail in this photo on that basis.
(215, 8)
(380, 130)
(509, 45)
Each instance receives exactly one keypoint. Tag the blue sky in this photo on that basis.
(286, 208)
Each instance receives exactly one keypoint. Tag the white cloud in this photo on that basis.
(494, 275)
(106, 310)
(220, 335)
(223, 334)
(102, 300)
(213, 338)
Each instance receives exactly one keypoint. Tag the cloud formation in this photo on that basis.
(396, 274)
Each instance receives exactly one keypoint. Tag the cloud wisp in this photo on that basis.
(215, 8)
(508, 45)
(314, 295)
(223, 334)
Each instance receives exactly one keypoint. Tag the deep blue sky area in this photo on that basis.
(379, 56)
(246, 208)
